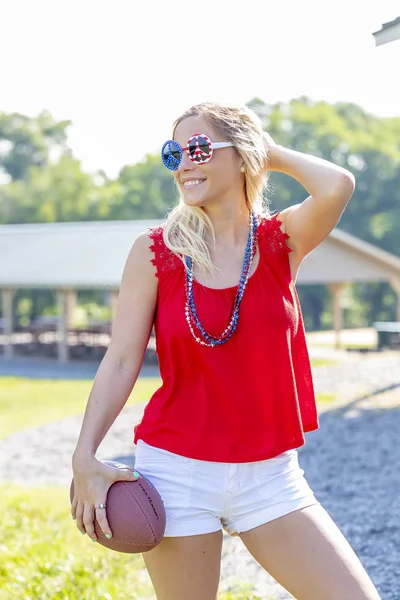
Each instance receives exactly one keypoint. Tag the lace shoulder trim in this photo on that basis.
(272, 236)
(164, 259)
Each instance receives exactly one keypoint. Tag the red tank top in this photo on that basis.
(249, 399)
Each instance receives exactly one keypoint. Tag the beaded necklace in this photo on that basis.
(190, 308)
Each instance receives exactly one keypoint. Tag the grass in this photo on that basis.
(325, 397)
(43, 556)
(323, 362)
(32, 402)
(358, 346)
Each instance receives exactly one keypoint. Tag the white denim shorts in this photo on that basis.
(202, 496)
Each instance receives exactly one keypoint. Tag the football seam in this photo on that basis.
(144, 514)
(128, 542)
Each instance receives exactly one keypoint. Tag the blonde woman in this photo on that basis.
(219, 439)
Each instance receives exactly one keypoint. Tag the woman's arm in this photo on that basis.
(120, 367)
(330, 187)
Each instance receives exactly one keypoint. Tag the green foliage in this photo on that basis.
(318, 301)
(325, 397)
(240, 591)
(62, 192)
(91, 311)
(29, 142)
(148, 190)
(56, 192)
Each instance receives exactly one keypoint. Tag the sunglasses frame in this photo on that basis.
(172, 163)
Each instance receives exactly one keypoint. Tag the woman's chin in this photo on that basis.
(191, 200)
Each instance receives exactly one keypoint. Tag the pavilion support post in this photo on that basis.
(336, 290)
(65, 301)
(7, 296)
(71, 305)
(395, 283)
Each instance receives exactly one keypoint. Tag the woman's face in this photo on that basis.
(212, 182)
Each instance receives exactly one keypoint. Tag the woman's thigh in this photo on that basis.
(309, 556)
(187, 567)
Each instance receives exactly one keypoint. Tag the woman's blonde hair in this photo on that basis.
(185, 227)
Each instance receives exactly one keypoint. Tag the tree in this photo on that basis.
(367, 145)
(27, 141)
(344, 133)
(55, 192)
(148, 190)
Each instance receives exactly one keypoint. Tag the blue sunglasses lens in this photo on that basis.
(171, 155)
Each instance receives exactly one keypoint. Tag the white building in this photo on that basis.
(67, 257)
(389, 32)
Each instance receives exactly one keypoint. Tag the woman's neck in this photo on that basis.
(231, 227)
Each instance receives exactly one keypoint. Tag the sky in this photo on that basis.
(123, 70)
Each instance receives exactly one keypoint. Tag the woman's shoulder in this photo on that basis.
(272, 233)
(155, 231)
(162, 257)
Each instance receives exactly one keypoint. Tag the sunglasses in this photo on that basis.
(199, 149)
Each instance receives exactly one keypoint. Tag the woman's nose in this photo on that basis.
(186, 163)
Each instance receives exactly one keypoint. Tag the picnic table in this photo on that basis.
(388, 334)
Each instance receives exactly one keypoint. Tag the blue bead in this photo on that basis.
(190, 303)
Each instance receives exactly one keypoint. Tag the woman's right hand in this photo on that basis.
(92, 480)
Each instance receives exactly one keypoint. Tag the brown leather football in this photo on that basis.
(135, 512)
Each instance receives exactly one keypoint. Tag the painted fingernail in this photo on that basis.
(108, 535)
(136, 474)
(73, 518)
(93, 539)
(83, 532)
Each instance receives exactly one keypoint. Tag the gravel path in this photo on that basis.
(356, 449)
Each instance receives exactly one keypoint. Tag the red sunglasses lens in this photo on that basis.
(199, 149)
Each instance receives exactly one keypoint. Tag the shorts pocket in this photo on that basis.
(170, 474)
(271, 469)
(150, 454)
